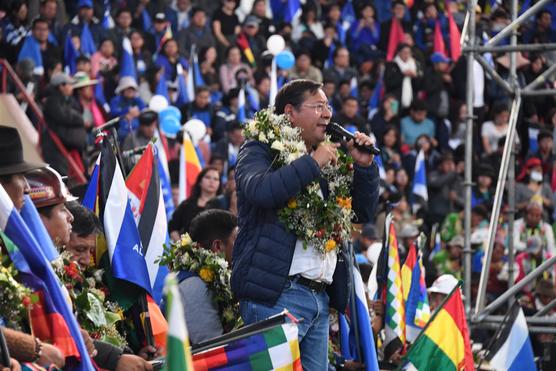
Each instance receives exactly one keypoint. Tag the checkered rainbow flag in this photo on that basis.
(395, 307)
(276, 348)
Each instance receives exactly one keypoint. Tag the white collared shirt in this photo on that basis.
(311, 264)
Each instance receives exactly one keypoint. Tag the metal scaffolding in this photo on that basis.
(473, 51)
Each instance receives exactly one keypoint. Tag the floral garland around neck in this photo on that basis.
(15, 298)
(98, 316)
(186, 255)
(321, 223)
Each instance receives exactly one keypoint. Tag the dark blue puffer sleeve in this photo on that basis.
(267, 187)
(365, 192)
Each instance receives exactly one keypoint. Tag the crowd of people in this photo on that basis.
(406, 95)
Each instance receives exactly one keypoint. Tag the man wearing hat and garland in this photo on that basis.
(50, 195)
(127, 104)
(13, 167)
(62, 116)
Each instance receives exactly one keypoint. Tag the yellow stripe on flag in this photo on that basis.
(444, 332)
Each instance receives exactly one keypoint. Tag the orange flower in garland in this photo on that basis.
(72, 270)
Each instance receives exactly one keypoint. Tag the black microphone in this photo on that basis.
(338, 133)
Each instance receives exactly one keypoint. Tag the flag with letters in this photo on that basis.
(124, 254)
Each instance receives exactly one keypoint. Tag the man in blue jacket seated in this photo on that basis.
(274, 267)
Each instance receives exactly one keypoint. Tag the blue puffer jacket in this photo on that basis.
(264, 248)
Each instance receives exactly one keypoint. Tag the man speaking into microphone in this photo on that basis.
(297, 197)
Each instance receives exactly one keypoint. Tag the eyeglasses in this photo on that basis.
(319, 107)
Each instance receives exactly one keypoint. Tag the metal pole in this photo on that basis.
(511, 169)
(510, 139)
(546, 320)
(540, 79)
(538, 93)
(531, 329)
(511, 48)
(546, 309)
(517, 22)
(480, 315)
(492, 72)
(469, 158)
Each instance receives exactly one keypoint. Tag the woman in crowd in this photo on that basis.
(229, 69)
(207, 186)
(402, 75)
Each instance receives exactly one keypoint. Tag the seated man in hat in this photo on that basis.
(13, 167)
(128, 105)
(63, 117)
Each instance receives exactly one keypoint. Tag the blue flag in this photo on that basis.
(99, 93)
(127, 64)
(90, 198)
(420, 177)
(107, 21)
(356, 335)
(31, 217)
(125, 251)
(36, 262)
(162, 86)
(70, 55)
(31, 50)
(348, 13)
(147, 21)
(87, 42)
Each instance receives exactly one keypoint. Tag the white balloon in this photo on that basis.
(275, 44)
(196, 130)
(158, 103)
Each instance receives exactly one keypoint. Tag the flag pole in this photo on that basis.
(5, 353)
(144, 314)
(497, 333)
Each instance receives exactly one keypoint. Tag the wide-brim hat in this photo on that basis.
(11, 153)
(82, 79)
(126, 82)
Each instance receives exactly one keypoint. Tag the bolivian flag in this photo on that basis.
(444, 343)
(178, 357)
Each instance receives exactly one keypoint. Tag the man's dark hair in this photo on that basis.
(498, 108)
(201, 89)
(348, 98)
(85, 222)
(398, 2)
(542, 12)
(418, 105)
(195, 10)
(123, 9)
(82, 58)
(295, 93)
(39, 19)
(211, 225)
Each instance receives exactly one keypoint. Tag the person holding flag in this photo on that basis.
(297, 263)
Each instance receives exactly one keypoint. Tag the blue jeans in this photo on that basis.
(308, 306)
